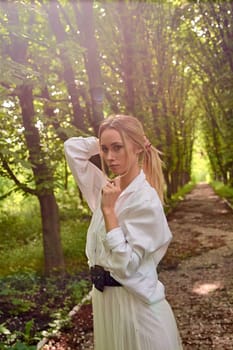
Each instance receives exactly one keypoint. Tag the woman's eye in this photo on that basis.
(104, 149)
(117, 148)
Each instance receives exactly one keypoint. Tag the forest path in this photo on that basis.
(200, 288)
(197, 272)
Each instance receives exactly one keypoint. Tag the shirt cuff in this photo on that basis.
(114, 238)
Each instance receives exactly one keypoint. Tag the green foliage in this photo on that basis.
(79, 289)
(59, 321)
(21, 238)
(223, 191)
(18, 346)
(213, 67)
(21, 264)
(11, 338)
(200, 162)
(21, 346)
(179, 196)
(73, 242)
(20, 220)
(50, 299)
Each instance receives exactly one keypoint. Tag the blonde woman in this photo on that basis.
(127, 237)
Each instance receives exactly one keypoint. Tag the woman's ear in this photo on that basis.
(139, 150)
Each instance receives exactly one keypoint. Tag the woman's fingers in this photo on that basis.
(116, 182)
(110, 193)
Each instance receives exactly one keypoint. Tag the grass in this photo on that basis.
(223, 191)
(21, 247)
(179, 196)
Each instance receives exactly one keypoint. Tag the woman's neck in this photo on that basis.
(126, 179)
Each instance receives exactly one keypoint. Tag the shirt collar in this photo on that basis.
(135, 184)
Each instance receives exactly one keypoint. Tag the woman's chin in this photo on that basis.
(115, 170)
(113, 173)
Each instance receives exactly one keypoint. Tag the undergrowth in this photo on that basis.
(178, 196)
(223, 191)
(32, 306)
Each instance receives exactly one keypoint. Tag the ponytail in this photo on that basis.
(152, 167)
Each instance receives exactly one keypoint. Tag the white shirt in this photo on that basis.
(132, 251)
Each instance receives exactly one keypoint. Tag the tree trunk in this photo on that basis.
(168, 184)
(175, 181)
(127, 56)
(53, 256)
(69, 76)
(42, 173)
(85, 21)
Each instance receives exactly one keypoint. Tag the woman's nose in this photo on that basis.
(110, 155)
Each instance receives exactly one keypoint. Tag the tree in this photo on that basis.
(39, 79)
(211, 57)
(41, 169)
(150, 79)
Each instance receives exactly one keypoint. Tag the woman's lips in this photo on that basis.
(113, 166)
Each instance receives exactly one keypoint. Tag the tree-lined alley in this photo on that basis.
(66, 64)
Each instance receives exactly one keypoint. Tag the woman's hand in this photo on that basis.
(110, 193)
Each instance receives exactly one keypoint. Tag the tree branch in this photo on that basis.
(12, 176)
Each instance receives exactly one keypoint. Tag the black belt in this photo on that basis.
(101, 278)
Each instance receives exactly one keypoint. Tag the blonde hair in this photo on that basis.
(131, 128)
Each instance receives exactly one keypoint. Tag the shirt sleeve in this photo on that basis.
(143, 233)
(90, 179)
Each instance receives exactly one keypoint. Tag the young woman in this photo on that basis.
(127, 237)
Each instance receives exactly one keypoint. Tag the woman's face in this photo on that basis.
(114, 152)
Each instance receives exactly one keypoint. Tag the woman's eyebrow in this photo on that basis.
(113, 143)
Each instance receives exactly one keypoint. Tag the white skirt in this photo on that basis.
(124, 322)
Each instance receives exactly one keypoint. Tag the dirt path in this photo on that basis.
(200, 289)
(197, 272)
